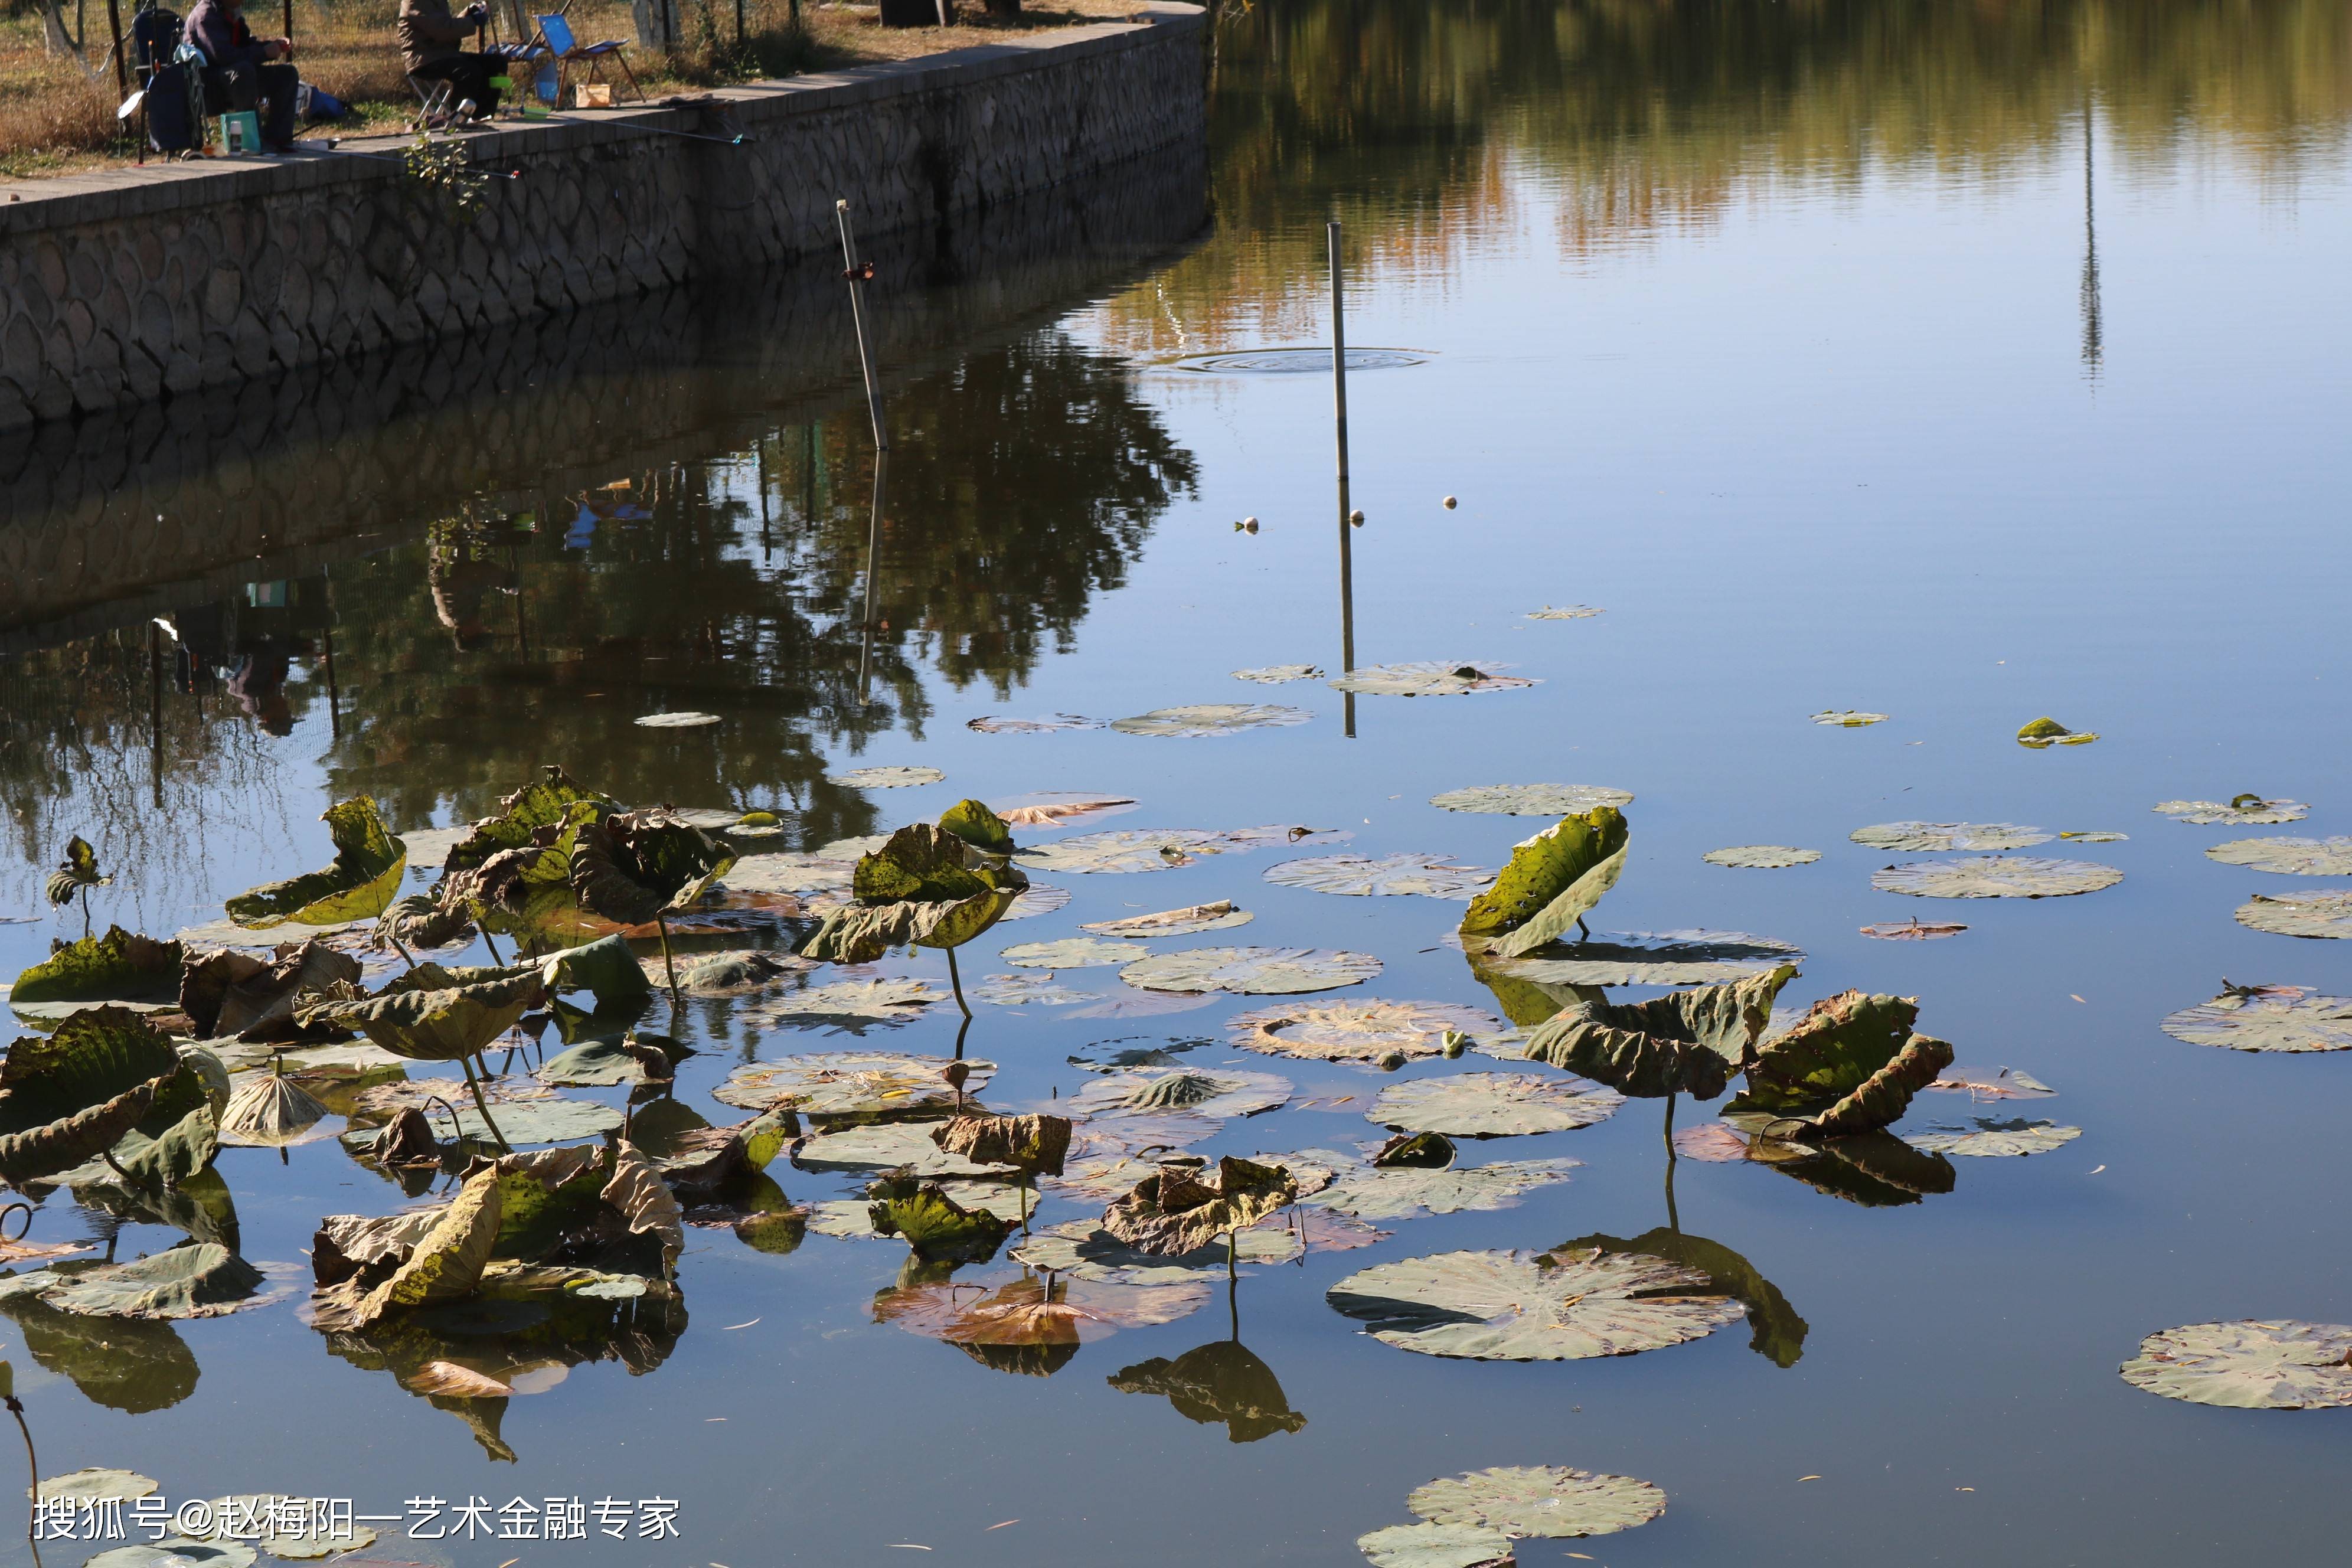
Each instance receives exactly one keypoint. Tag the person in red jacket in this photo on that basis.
(238, 72)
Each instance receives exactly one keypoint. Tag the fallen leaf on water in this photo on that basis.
(2096, 1169)
(741, 1325)
(908, 1546)
(1809, 1478)
(2078, 998)
(1964, 1488)
(1000, 1524)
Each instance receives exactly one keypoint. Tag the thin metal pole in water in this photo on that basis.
(873, 570)
(1340, 425)
(859, 274)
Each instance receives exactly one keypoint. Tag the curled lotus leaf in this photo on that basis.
(850, 1005)
(1848, 718)
(1429, 677)
(229, 993)
(272, 1110)
(2288, 857)
(1197, 1092)
(852, 1083)
(1987, 1137)
(1057, 807)
(1915, 838)
(1073, 953)
(1551, 1501)
(635, 867)
(194, 1279)
(2250, 1364)
(1405, 1192)
(1083, 1251)
(1566, 1305)
(1203, 719)
(1131, 849)
(1252, 971)
(1995, 876)
(49, 1149)
(888, 1146)
(1686, 1042)
(120, 966)
(637, 1193)
(441, 1024)
(1761, 856)
(860, 933)
(923, 886)
(1279, 674)
(1415, 1150)
(78, 870)
(977, 826)
(2251, 810)
(360, 885)
(1531, 800)
(1037, 1144)
(1431, 876)
(93, 1057)
(1850, 1064)
(543, 817)
(2315, 914)
(931, 1222)
(1553, 880)
(1221, 1382)
(1492, 1104)
(2272, 1018)
(1366, 1030)
(1048, 1319)
(418, 920)
(885, 777)
(444, 1263)
(1437, 1546)
(1647, 958)
(1183, 1205)
(1220, 915)
(2046, 732)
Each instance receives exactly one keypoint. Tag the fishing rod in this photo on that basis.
(738, 140)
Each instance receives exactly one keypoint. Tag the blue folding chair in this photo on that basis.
(565, 48)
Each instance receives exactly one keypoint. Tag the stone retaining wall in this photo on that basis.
(127, 285)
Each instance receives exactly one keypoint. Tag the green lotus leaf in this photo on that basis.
(96, 1055)
(888, 1146)
(2288, 857)
(2319, 914)
(1184, 1206)
(1251, 971)
(1370, 876)
(860, 933)
(1218, 1384)
(1149, 1091)
(1778, 1332)
(601, 1064)
(120, 966)
(1687, 1042)
(1761, 856)
(360, 885)
(444, 1263)
(184, 1150)
(607, 967)
(194, 1279)
(1550, 1501)
(2241, 809)
(440, 1025)
(933, 1224)
(977, 826)
(2269, 1019)
(95, 1485)
(2047, 732)
(77, 871)
(636, 866)
(1566, 1305)
(1553, 880)
(545, 817)
(1876, 1170)
(52, 1148)
(1832, 1051)
(119, 1363)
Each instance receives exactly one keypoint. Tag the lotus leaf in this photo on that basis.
(1761, 857)
(2288, 857)
(1405, 1192)
(1056, 807)
(1492, 1105)
(2079, 837)
(1552, 880)
(555, 1119)
(1547, 1500)
(2279, 1364)
(365, 878)
(1913, 930)
(1686, 1042)
(685, 719)
(1211, 719)
(606, 968)
(1644, 958)
(1524, 1305)
(1531, 800)
(2315, 914)
(1083, 1251)
(885, 777)
(417, 919)
(1993, 1137)
(858, 1219)
(1255, 971)
(852, 1083)
(444, 1263)
(94, 1059)
(1146, 1004)
(1183, 1207)
(1415, 1150)
(441, 1025)
(1147, 1091)
(1915, 837)
(1876, 1170)
(635, 867)
(607, 1063)
(120, 966)
(1218, 916)
(1103, 1177)
(993, 725)
(849, 1005)
(1024, 990)
(770, 874)
(1775, 1331)
(1437, 1546)
(1428, 678)
(177, 1553)
(2246, 808)
(1849, 718)
(1563, 612)
(2046, 732)
(1432, 876)
(1073, 953)
(925, 888)
(94, 1485)
(1037, 1144)
(1162, 849)
(194, 1279)
(1127, 1135)
(226, 992)
(76, 873)
(1035, 1325)
(184, 1149)
(888, 1146)
(1851, 1065)
(1993, 1083)
(1218, 1384)
(933, 1222)
(271, 1110)
(1279, 674)
(1995, 876)
(1365, 1030)
(1714, 1142)
(2273, 1018)
(644, 1200)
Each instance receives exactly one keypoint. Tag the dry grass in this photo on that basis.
(54, 118)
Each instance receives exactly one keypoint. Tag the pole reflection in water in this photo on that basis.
(1340, 425)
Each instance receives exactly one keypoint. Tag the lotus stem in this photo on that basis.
(1674, 1220)
(16, 1408)
(1234, 1307)
(85, 918)
(406, 956)
(457, 1127)
(491, 942)
(662, 925)
(1583, 932)
(1670, 1126)
(16, 1205)
(128, 1181)
(484, 1106)
(1232, 1254)
(956, 981)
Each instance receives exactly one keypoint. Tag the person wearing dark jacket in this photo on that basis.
(429, 37)
(237, 69)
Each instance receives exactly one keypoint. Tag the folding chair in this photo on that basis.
(566, 47)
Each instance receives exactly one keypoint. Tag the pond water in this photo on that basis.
(1961, 363)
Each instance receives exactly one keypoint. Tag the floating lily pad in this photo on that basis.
(1083, 1251)
(1711, 1142)
(2318, 914)
(200, 1279)
(1848, 718)
(2089, 836)
(2288, 857)
(175, 1553)
(1365, 1030)
(2250, 1364)
(1163, 849)
(1027, 1325)
(1437, 1546)
(1913, 930)
(850, 1083)
(1531, 800)
(886, 778)
(1493, 1104)
(1995, 876)
(2046, 732)
(97, 1485)
(790, 874)
(888, 1146)
(1030, 990)
(1569, 1305)
(1432, 876)
(1563, 612)
(1218, 916)
(1251, 971)
(683, 719)
(1650, 958)
(1106, 1136)
(2273, 1018)
(1551, 1501)
(1194, 1091)
(1434, 678)
(1761, 856)
(851, 1004)
(1989, 1138)
(1211, 719)
(1403, 1192)
(2249, 809)
(995, 725)
(1279, 674)
(1073, 953)
(1033, 900)
(1916, 837)
(553, 1118)
(853, 1217)
(1992, 1083)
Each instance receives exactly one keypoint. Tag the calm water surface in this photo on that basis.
(1961, 363)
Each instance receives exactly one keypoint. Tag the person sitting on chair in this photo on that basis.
(429, 37)
(237, 72)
